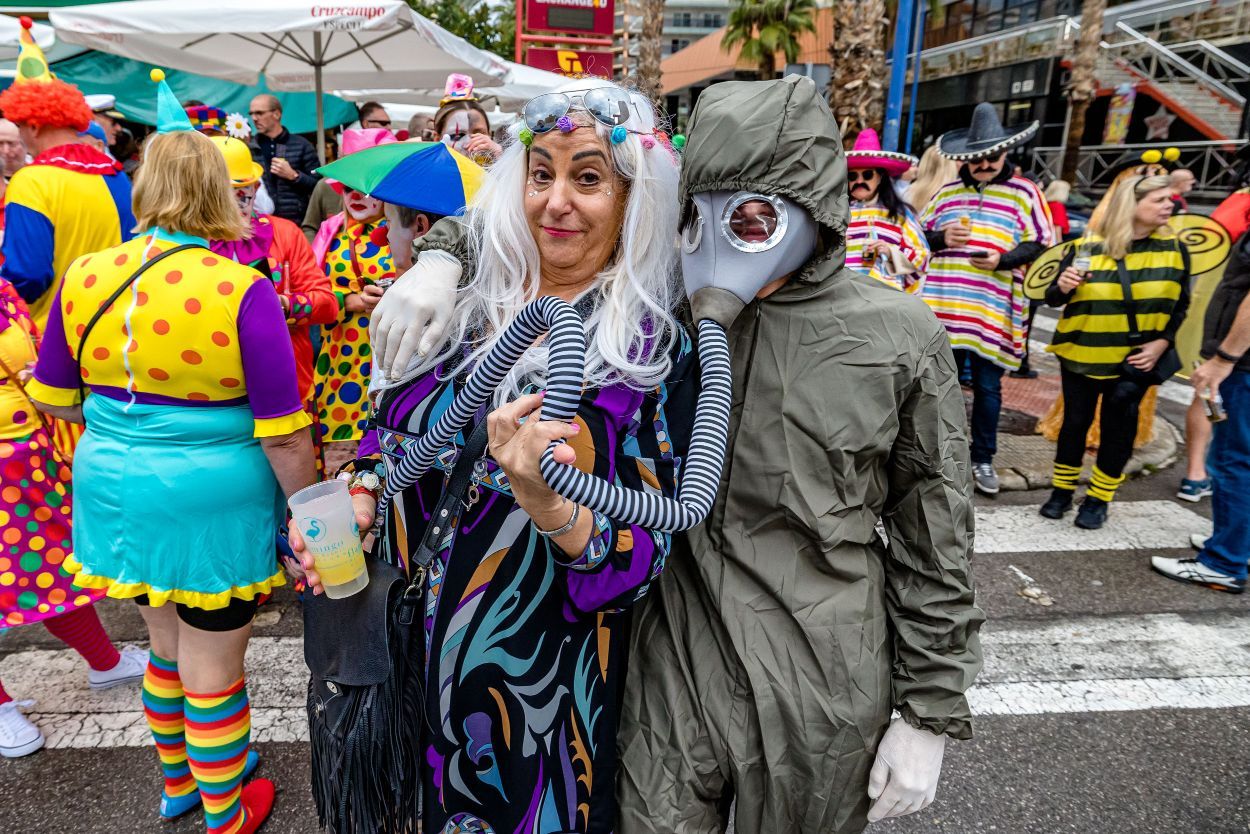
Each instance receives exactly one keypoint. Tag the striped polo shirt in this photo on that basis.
(1092, 337)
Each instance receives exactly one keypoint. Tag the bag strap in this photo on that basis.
(444, 511)
(1130, 305)
(82, 342)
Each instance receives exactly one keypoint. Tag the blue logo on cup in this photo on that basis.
(315, 530)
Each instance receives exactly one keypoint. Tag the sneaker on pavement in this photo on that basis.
(1198, 541)
(1092, 514)
(18, 736)
(985, 478)
(1196, 573)
(130, 669)
(1060, 502)
(1194, 491)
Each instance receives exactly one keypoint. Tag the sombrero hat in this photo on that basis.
(867, 153)
(986, 136)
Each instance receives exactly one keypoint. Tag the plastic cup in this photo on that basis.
(1081, 264)
(965, 220)
(324, 518)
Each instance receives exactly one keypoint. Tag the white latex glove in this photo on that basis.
(413, 315)
(904, 777)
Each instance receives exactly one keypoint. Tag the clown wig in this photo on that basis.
(46, 104)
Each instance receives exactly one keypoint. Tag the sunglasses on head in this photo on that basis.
(866, 175)
(607, 105)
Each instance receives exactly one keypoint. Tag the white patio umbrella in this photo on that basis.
(10, 37)
(523, 83)
(295, 45)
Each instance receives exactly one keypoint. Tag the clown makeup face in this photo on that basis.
(361, 207)
(245, 196)
(863, 184)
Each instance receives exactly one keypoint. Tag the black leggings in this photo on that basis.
(234, 616)
(1121, 399)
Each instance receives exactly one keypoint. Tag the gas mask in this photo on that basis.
(737, 242)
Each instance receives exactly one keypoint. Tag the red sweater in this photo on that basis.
(306, 291)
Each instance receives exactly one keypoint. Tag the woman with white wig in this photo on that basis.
(527, 595)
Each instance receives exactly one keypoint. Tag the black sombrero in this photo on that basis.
(985, 137)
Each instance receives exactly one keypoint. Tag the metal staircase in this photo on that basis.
(1195, 80)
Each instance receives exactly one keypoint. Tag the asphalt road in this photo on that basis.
(1124, 706)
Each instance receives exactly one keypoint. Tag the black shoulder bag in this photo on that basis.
(365, 695)
(91, 323)
(1169, 363)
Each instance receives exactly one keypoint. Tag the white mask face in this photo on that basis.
(361, 207)
(245, 197)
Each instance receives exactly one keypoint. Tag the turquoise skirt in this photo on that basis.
(178, 503)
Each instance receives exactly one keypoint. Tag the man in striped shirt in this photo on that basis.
(984, 229)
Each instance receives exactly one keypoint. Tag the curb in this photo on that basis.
(1023, 461)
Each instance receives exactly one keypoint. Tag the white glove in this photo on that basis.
(413, 316)
(904, 777)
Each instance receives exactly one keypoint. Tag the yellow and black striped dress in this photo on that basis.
(1092, 337)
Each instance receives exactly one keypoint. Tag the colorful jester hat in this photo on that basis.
(170, 116)
(36, 97)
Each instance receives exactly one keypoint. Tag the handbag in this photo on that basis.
(1169, 362)
(365, 693)
(91, 323)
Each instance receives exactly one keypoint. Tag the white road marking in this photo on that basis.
(1067, 665)
(1146, 525)
(1074, 665)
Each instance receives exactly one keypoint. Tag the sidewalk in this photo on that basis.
(1023, 460)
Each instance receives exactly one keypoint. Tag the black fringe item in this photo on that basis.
(366, 752)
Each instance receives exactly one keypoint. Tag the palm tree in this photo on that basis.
(765, 27)
(857, 61)
(648, 77)
(1082, 88)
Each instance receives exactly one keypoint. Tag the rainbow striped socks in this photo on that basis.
(162, 706)
(1102, 486)
(218, 730)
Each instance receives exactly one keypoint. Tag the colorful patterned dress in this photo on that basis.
(34, 491)
(873, 222)
(525, 645)
(357, 256)
(983, 311)
(188, 370)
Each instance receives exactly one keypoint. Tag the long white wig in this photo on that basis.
(632, 327)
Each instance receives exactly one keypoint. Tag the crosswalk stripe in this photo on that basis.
(1066, 665)
(1148, 525)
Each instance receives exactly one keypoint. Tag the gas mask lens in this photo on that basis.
(692, 235)
(753, 222)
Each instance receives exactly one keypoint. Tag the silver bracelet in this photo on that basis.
(560, 531)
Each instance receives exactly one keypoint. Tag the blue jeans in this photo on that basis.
(1228, 462)
(987, 404)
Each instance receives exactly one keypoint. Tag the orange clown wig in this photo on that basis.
(47, 104)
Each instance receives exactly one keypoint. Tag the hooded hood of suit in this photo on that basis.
(773, 137)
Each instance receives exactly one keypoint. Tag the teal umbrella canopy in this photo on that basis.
(128, 80)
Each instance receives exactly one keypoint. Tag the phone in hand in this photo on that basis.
(977, 253)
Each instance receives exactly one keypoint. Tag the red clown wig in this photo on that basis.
(46, 104)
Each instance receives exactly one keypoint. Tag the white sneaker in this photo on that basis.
(130, 669)
(18, 736)
(1198, 541)
(1196, 573)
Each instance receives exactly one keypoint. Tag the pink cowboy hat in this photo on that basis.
(357, 139)
(867, 153)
